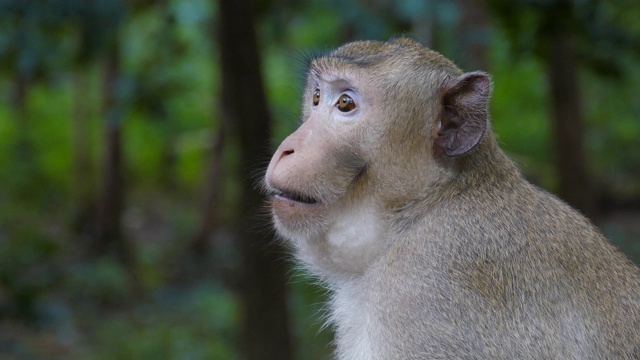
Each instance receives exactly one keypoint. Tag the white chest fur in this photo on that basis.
(355, 238)
(354, 323)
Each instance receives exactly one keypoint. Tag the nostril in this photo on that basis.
(285, 153)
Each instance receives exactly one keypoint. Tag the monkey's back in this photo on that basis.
(508, 272)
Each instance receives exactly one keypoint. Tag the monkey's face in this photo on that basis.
(382, 126)
(318, 165)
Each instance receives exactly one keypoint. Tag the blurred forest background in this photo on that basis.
(132, 134)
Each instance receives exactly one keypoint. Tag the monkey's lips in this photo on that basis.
(293, 197)
(294, 213)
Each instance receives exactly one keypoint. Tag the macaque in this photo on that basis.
(394, 192)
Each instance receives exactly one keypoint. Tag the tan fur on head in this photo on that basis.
(335, 160)
(395, 192)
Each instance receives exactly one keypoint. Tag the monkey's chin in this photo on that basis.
(294, 218)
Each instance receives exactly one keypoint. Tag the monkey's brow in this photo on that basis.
(324, 66)
(329, 74)
(336, 80)
(319, 70)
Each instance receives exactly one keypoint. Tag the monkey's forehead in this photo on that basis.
(368, 48)
(360, 54)
(377, 55)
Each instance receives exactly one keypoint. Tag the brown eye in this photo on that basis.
(346, 103)
(316, 97)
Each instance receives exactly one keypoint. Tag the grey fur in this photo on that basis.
(454, 257)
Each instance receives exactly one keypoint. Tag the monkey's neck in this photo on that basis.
(486, 168)
(487, 165)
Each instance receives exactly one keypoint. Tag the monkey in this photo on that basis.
(394, 192)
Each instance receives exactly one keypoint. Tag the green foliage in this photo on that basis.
(614, 133)
(192, 323)
(103, 280)
(27, 271)
(593, 24)
(308, 308)
(519, 113)
(50, 136)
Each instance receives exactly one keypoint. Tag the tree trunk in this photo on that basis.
(83, 177)
(473, 28)
(265, 325)
(568, 124)
(19, 105)
(201, 246)
(110, 239)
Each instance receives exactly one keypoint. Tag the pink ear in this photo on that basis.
(465, 113)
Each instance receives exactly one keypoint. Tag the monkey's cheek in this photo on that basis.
(293, 217)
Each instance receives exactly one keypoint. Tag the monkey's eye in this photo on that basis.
(316, 97)
(346, 103)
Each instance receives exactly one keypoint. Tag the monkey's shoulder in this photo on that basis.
(517, 263)
(526, 235)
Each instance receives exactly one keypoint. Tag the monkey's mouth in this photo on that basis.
(294, 196)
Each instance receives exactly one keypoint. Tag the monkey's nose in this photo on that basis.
(287, 152)
(284, 153)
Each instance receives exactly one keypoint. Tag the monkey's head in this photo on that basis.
(384, 125)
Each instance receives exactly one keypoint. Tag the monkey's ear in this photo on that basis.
(464, 117)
